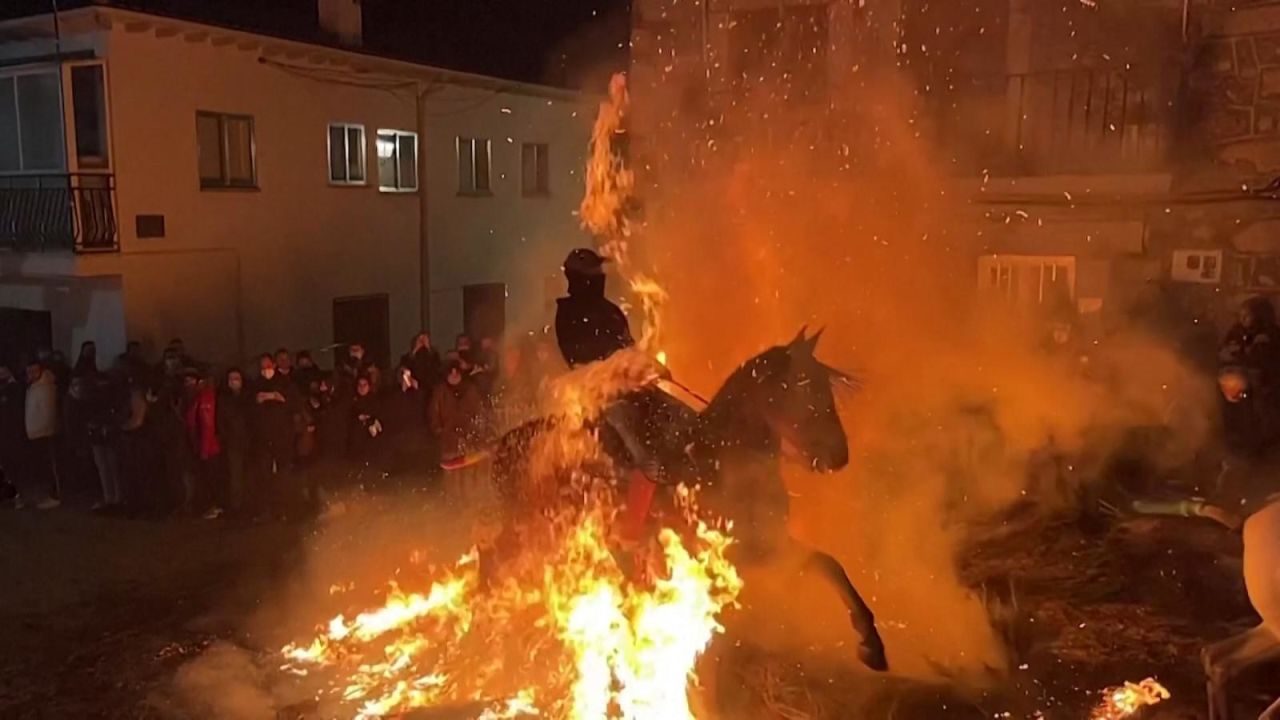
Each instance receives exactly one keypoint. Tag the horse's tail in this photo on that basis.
(511, 456)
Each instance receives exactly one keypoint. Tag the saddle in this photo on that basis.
(666, 430)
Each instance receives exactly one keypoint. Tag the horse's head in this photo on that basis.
(792, 391)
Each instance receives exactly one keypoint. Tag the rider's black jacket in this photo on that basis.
(588, 326)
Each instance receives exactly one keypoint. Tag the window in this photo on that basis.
(473, 166)
(346, 154)
(1029, 280)
(31, 137)
(397, 161)
(89, 115)
(226, 150)
(535, 170)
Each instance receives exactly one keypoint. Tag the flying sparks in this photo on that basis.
(1124, 701)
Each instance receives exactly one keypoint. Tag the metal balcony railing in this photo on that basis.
(58, 213)
(1075, 121)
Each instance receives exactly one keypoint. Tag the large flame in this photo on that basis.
(606, 209)
(565, 635)
(558, 630)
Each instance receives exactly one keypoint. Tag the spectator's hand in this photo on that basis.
(264, 397)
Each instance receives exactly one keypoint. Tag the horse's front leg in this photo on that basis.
(871, 649)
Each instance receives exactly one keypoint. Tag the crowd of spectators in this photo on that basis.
(180, 436)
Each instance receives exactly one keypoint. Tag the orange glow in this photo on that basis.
(1122, 702)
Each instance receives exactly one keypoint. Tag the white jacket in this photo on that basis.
(42, 407)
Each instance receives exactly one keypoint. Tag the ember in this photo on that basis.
(1128, 699)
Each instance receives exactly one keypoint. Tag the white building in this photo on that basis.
(165, 178)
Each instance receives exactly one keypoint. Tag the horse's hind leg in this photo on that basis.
(871, 651)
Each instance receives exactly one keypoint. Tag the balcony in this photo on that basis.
(1081, 121)
(58, 213)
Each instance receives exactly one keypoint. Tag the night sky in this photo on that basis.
(572, 43)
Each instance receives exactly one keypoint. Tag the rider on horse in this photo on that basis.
(590, 328)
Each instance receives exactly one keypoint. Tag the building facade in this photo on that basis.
(1108, 154)
(165, 178)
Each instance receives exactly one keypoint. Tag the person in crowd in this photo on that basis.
(169, 372)
(13, 432)
(179, 350)
(423, 361)
(200, 417)
(457, 420)
(1251, 349)
(275, 403)
(1253, 343)
(137, 457)
(406, 410)
(1247, 430)
(40, 473)
(233, 417)
(87, 362)
(102, 422)
(75, 456)
(306, 449)
(305, 372)
(131, 363)
(171, 483)
(61, 371)
(409, 409)
(485, 372)
(332, 410)
(465, 348)
(368, 433)
(358, 363)
(284, 364)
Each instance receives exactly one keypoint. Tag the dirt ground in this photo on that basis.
(97, 614)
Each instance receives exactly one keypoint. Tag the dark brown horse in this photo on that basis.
(778, 402)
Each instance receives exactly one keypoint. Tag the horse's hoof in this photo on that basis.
(871, 653)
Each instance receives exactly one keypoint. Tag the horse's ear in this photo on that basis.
(799, 338)
(812, 343)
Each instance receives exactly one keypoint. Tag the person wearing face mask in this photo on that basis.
(358, 363)
(275, 405)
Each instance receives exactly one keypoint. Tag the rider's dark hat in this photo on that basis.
(584, 261)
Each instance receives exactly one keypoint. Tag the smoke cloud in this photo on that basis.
(758, 224)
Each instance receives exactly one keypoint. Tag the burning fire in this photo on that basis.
(1122, 702)
(606, 207)
(560, 630)
(565, 635)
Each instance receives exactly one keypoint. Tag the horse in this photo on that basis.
(781, 400)
(1225, 660)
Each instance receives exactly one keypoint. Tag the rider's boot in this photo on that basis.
(640, 492)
